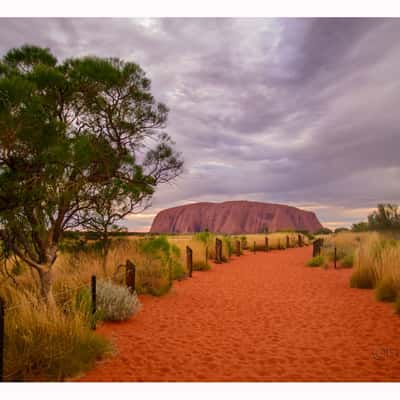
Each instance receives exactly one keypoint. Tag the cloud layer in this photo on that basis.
(295, 111)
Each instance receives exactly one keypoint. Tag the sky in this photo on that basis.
(302, 112)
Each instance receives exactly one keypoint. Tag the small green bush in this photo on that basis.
(316, 261)
(116, 303)
(386, 290)
(347, 261)
(201, 266)
(363, 278)
(177, 270)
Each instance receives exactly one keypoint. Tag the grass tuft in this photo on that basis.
(316, 261)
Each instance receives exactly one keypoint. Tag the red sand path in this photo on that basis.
(263, 317)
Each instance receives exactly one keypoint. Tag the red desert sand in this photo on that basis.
(262, 317)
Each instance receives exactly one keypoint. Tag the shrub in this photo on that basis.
(158, 263)
(201, 266)
(363, 278)
(386, 290)
(347, 261)
(316, 261)
(116, 303)
(178, 271)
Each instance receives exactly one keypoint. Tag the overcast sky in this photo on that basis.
(295, 111)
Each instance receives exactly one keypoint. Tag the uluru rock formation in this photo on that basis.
(234, 217)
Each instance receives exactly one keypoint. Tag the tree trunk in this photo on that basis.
(46, 284)
(105, 255)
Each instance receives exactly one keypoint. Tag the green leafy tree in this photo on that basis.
(386, 217)
(73, 134)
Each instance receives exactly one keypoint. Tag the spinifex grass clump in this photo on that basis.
(363, 278)
(377, 260)
(386, 290)
(46, 343)
(316, 261)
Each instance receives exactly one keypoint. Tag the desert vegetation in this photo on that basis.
(372, 248)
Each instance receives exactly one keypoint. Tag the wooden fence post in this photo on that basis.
(218, 251)
(254, 247)
(238, 248)
(189, 260)
(300, 240)
(317, 244)
(130, 276)
(2, 352)
(93, 286)
(314, 249)
(266, 243)
(287, 242)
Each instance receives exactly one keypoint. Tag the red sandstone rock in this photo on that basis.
(233, 217)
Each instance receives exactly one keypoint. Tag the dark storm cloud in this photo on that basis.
(298, 111)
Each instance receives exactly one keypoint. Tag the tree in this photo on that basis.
(109, 207)
(386, 217)
(74, 135)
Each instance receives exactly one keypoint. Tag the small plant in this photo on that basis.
(347, 261)
(201, 266)
(386, 290)
(316, 261)
(116, 303)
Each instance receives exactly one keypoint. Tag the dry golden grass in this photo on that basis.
(48, 342)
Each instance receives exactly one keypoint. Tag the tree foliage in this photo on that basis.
(386, 217)
(76, 138)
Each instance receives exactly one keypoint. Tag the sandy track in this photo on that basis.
(263, 317)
